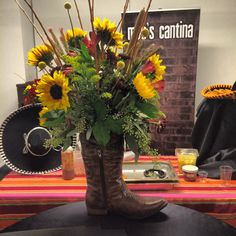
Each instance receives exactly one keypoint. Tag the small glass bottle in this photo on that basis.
(67, 160)
(78, 161)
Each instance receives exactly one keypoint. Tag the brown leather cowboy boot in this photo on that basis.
(95, 201)
(120, 199)
(106, 190)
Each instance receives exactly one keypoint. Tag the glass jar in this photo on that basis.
(186, 156)
(78, 161)
(67, 161)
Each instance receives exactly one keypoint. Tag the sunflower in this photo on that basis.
(107, 32)
(159, 69)
(41, 113)
(73, 37)
(117, 39)
(105, 25)
(144, 86)
(53, 91)
(41, 53)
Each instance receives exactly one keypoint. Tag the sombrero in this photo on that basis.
(219, 91)
(22, 143)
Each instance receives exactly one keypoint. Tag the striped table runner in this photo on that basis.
(24, 195)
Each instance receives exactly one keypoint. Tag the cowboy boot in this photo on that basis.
(119, 198)
(94, 199)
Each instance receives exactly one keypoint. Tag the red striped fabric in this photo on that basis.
(25, 195)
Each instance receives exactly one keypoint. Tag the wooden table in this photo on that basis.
(23, 195)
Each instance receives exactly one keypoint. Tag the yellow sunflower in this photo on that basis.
(107, 32)
(159, 69)
(41, 53)
(41, 113)
(104, 25)
(118, 39)
(53, 91)
(73, 37)
(77, 33)
(144, 86)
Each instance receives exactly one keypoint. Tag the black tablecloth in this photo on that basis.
(72, 219)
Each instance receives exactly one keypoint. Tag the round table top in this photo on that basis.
(72, 219)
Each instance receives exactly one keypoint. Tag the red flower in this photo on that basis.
(26, 100)
(72, 54)
(159, 85)
(91, 43)
(32, 92)
(67, 70)
(148, 68)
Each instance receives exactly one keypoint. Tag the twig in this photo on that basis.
(56, 42)
(152, 49)
(63, 40)
(77, 9)
(32, 23)
(20, 77)
(45, 32)
(148, 7)
(91, 11)
(121, 22)
(72, 27)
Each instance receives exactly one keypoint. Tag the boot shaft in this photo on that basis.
(112, 157)
(103, 166)
(95, 181)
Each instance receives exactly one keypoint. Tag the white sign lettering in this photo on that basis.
(178, 30)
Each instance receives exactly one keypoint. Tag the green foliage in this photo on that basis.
(101, 133)
(115, 126)
(100, 110)
(103, 101)
(54, 118)
(85, 53)
(147, 108)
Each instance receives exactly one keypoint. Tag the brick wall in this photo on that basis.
(180, 57)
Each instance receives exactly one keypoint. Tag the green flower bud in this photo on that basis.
(67, 6)
(96, 78)
(145, 32)
(42, 65)
(106, 95)
(120, 65)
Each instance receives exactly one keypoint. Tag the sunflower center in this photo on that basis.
(106, 36)
(56, 91)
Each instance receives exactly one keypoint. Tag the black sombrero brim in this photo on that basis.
(12, 143)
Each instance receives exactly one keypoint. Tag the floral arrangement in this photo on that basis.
(98, 83)
(29, 93)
